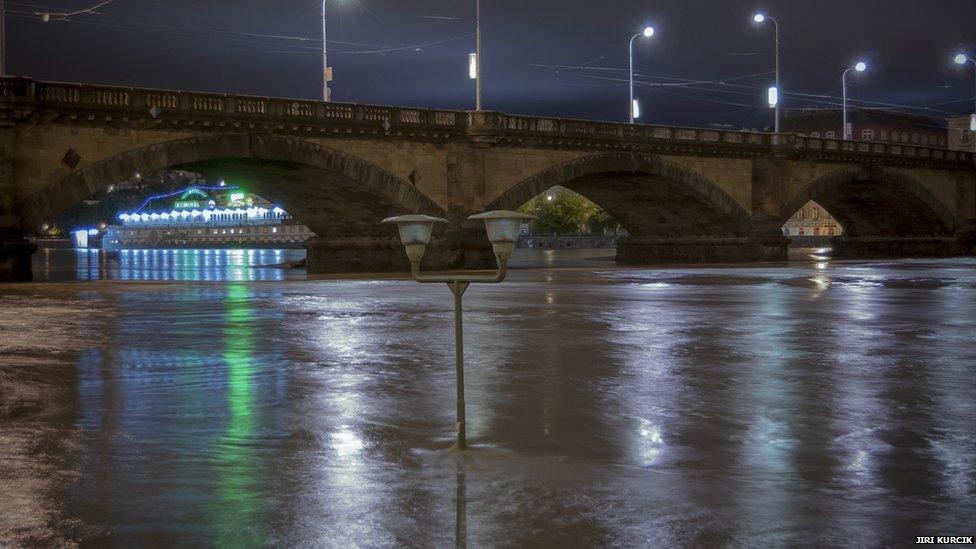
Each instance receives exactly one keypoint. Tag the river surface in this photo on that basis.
(234, 403)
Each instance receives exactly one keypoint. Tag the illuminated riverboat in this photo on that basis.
(206, 217)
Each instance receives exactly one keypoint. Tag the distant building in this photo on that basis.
(812, 220)
(961, 135)
(206, 217)
(867, 125)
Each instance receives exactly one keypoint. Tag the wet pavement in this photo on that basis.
(812, 403)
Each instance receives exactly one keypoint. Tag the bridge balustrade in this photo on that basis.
(173, 103)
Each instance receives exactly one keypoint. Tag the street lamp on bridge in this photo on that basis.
(861, 66)
(634, 107)
(962, 59)
(760, 18)
(326, 70)
(503, 232)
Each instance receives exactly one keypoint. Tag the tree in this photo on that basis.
(561, 211)
(601, 222)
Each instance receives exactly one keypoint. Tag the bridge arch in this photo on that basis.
(872, 201)
(649, 196)
(331, 192)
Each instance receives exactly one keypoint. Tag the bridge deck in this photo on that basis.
(19, 97)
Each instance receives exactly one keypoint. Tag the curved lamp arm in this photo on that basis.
(481, 278)
(503, 230)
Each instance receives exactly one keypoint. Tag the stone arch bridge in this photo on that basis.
(684, 194)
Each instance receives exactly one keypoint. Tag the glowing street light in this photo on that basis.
(760, 18)
(962, 59)
(634, 108)
(772, 97)
(861, 66)
(503, 232)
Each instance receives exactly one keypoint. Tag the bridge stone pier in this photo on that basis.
(685, 195)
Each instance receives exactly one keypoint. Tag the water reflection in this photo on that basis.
(162, 265)
(241, 508)
(798, 405)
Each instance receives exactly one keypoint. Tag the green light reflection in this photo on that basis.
(240, 508)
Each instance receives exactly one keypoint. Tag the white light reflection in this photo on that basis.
(346, 443)
(651, 442)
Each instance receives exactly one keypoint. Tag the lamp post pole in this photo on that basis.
(477, 65)
(859, 67)
(647, 33)
(503, 230)
(961, 59)
(457, 288)
(778, 94)
(760, 18)
(630, 85)
(3, 41)
(843, 80)
(325, 59)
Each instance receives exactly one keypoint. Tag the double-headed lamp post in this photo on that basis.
(634, 108)
(962, 59)
(861, 66)
(761, 18)
(503, 232)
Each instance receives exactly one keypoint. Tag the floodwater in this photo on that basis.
(813, 403)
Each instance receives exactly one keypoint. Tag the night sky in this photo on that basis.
(227, 46)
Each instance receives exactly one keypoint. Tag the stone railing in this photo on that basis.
(85, 98)
(169, 104)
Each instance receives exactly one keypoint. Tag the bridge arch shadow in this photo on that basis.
(873, 202)
(331, 192)
(648, 196)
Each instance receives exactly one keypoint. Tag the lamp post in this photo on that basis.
(859, 67)
(3, 42)
(760, 18)
(326, 73)
(477, 56)
(503, 231)
(962, 59)
(646, 33)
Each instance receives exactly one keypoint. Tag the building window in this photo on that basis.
(831, 134)
(867, 134)
(816, 213)
(884, 135)
(904, 137)
(814, 134)
(925, 139)
(915, 139)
